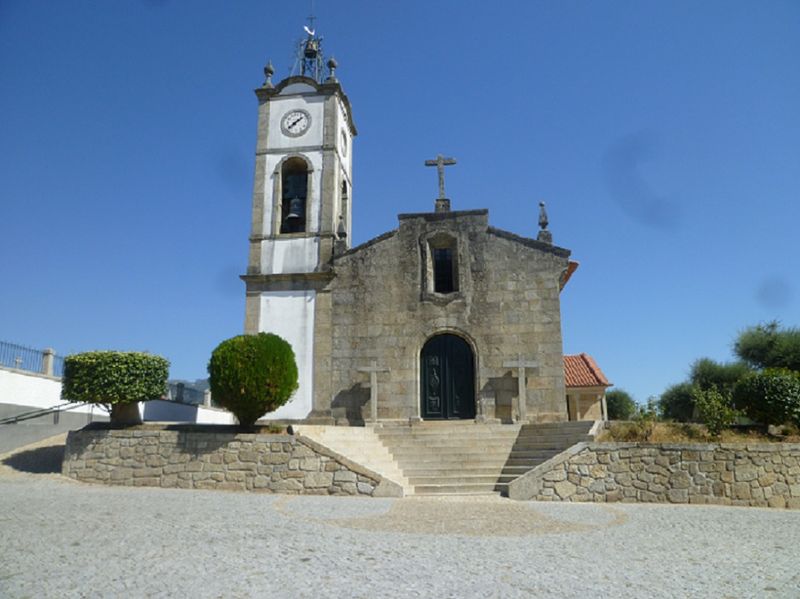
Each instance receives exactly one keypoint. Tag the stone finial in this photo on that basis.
(269, 71)
(332, 64)
(543, 222)
(544, 236)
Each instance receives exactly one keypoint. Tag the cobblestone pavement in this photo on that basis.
(60, 538)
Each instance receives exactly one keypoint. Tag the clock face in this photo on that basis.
(344, 144)
(295, 123)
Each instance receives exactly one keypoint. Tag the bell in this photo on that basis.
(296, 209)
(311, 48)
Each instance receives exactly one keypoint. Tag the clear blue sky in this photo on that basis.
(664, 137)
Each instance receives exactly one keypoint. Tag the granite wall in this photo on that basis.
(762, 475)
(382, 306)
(216, 458)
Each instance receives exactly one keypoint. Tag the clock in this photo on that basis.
(295, 123)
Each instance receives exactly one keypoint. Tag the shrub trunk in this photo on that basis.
(126, 413)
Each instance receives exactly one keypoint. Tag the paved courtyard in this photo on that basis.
(60, 538)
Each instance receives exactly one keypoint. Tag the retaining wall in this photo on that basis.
(763, 475)
(216, 458)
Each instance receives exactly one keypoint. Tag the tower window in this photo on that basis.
(294, 185)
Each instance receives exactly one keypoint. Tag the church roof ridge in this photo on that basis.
(432, 216)
(531, 243)
(366, 244)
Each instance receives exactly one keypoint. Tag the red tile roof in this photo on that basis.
(583, 371)
(572, 266)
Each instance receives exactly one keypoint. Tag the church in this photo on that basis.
(443, 318)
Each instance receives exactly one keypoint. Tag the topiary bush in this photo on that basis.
(251, 375)
(117, 379)
(770, 397)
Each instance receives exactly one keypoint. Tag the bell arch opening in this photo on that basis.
(294, 195)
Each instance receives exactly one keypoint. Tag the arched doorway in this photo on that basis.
(448, 379)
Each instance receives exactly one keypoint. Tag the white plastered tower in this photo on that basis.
(302, 206)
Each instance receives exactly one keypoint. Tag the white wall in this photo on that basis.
(159, 410)
(313, 104)
(23, 389)
(290, 314)
(289, 255)
(37, 391)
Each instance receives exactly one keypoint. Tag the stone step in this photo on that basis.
(435, 470)
(454, 479)
(525, 443)
(577, 424)
(449, 449)
(553, 435)
(414, 453)
(445, 428)
(476, 489)
(523, 457)
(450, 464)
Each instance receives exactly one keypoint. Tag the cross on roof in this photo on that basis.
(440, 162)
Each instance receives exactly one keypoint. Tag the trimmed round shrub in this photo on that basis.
(251, 375)
(770, 397)
(114, 378)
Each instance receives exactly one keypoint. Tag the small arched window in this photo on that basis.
(294, 195)
(443, 264)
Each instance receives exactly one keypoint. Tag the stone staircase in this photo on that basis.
(361, 445)
(451, 457)
(537, 443)
(466, 458)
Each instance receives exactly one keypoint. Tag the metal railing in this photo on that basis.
(20, 357)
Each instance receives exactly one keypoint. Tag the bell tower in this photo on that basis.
(302, 204)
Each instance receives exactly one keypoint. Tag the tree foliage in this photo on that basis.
(114, 378)
(707, 374)
(715, 409)
(677, 403)
(620, 404)
(770, 397)
(768, 346)
(251, 375)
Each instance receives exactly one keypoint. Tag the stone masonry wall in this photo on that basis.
(383, 308)
(201, 459)
(763, 475)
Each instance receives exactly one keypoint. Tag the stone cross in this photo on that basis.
(440, 162)
(522, 400)
(373, 370)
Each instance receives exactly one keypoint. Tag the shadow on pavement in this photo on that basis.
(43, 460)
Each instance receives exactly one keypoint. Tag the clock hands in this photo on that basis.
(294, 122)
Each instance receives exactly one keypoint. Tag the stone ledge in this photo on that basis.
(215, 457)
(744, 474)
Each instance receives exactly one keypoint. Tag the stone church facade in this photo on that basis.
(443, 309)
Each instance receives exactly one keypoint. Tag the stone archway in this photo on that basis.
(447, 367)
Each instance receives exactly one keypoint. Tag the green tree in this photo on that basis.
(715, 409)
(116, 379)
(771, 396)
(620, 404)
(677, 403)
(768, 346)
(251, 375)
(706, 373)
